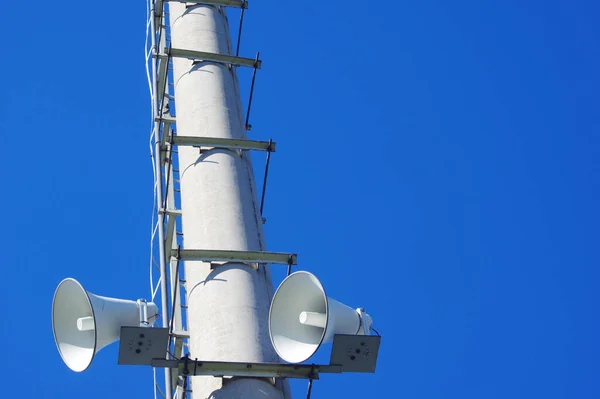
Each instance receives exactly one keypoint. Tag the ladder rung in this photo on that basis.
(209, 255)
(170, 212)
(224, 143)
(166, 119)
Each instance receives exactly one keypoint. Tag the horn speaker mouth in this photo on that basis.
(70, 304)
(298, 317)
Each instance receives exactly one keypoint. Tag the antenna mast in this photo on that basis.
(205, 185)
(210, 246)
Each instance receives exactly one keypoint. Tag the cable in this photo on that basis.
(154, 226)
(153, 229)
(172, 355)
(310, 381)
(375, 331)
(185, 384)
(154, 379)
(152, 256)
(148, 54)
(155, 317)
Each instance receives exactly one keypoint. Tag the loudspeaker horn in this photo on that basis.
(84, 323)
(302, 317)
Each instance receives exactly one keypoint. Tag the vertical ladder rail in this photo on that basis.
(156, 30)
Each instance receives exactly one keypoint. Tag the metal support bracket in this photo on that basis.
(168, 121)
(162, 74)
(217, 142)
(206, 255)
(188, 367)
(225, 3)
(170, 231)
(204, 56)
(158, 13)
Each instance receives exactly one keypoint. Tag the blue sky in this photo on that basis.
(437, 164)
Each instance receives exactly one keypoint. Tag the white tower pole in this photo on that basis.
(228, 305)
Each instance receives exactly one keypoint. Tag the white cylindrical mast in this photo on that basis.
(228, 305)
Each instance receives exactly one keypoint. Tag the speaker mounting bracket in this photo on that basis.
(350, 353)
(188, 367)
